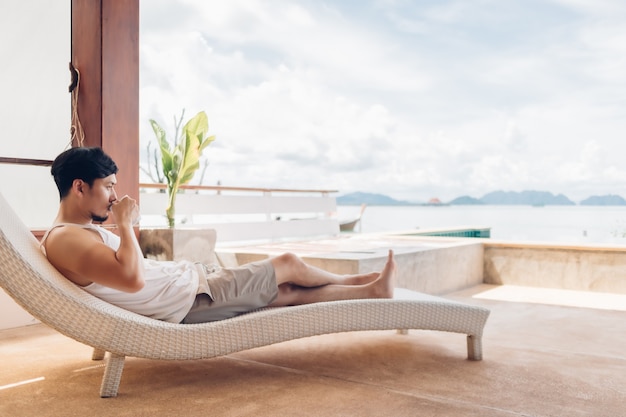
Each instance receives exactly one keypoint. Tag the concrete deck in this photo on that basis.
(547, 352)
(541, 358)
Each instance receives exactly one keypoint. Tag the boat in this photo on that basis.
(435, 202)
(349, 225)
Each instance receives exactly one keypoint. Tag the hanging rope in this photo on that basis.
(77, 134)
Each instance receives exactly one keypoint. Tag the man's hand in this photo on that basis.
(125, 210)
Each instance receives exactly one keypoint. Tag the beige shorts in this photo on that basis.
(233, 291)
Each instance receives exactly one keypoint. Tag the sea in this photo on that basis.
(603, 225)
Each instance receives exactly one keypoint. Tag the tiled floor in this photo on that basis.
(541, 358)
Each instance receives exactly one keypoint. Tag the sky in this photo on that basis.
(411, 99)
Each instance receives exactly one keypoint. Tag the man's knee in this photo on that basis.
(291, 262)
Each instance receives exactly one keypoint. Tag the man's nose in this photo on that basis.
(113, 196)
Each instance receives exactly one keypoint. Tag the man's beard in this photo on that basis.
(99, 219)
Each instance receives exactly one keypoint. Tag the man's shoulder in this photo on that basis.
(61, 233)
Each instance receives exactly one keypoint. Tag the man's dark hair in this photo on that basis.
(87, 164)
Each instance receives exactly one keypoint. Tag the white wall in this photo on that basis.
(34, 111)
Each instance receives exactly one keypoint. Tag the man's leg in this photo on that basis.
(300, 283)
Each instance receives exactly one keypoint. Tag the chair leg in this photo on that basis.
(112, 376)
(474, 348)
(98, 354)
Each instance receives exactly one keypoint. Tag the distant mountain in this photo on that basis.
(604, 200)
(533, 198)
(530, 198)
(358, 198)
(465, 201)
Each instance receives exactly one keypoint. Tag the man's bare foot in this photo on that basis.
(384, 285)
(362, 279)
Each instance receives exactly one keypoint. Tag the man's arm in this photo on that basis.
(129, 253)
(81, 256)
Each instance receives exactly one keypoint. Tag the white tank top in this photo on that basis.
(169, 291)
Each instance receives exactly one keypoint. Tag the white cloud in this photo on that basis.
(414, 102)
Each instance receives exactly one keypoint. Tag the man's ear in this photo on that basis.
(78, 186)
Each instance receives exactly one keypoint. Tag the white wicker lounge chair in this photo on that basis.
(27, 276)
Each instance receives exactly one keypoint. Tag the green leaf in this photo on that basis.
(181, 163)
(164, 145)
(193, 132)
(206, 142)
(197, 125)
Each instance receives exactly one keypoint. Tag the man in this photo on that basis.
(112, 266)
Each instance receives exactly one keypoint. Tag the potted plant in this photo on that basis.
(180, 162)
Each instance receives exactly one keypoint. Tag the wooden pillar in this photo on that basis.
(105, 50)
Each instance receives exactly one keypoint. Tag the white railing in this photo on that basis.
(245, 214)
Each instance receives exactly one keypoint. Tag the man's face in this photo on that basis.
(101, 197)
